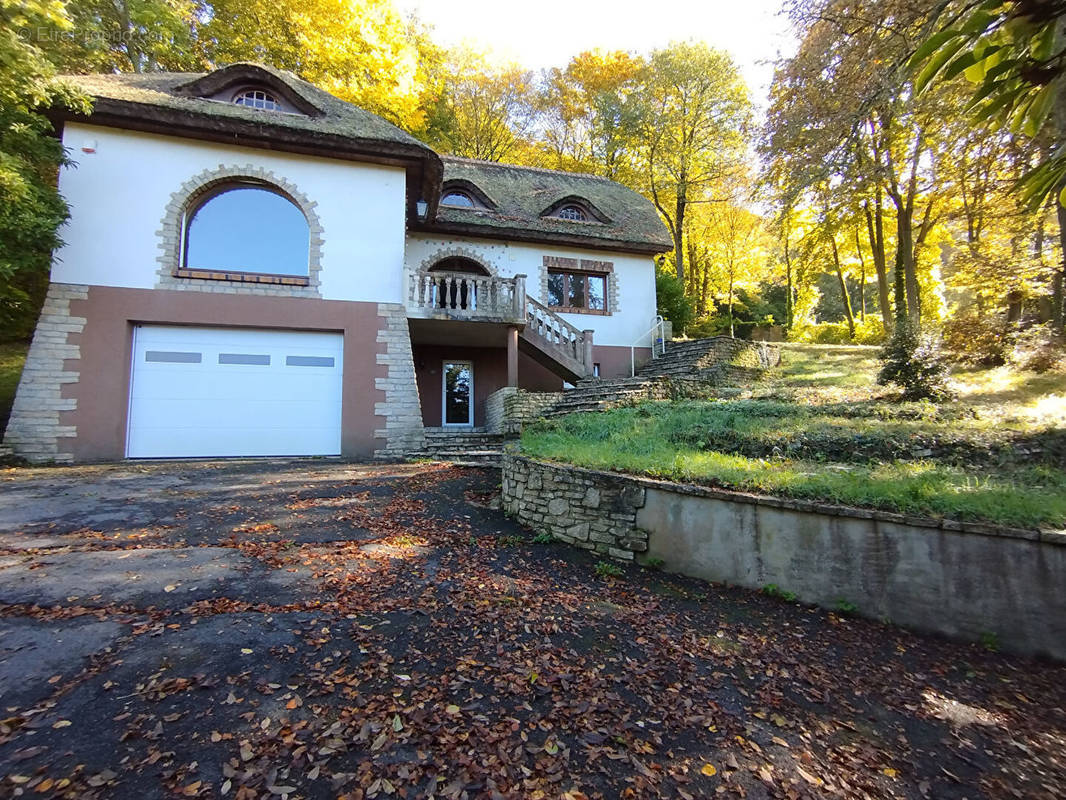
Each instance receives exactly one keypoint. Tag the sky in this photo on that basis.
(547, 33)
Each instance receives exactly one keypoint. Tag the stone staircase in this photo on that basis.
(463, 446)
(699, 367)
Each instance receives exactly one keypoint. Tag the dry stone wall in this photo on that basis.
(508, 409)
(963, 579)
(590, 510)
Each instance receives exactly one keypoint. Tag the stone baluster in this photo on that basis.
(587, 355)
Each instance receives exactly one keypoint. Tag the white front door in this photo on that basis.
(197, 392)
(457, 393)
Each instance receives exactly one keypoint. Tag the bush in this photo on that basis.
(872, 331)
(980, 340)
(671, 300)
(913, 362)
(1040, 349)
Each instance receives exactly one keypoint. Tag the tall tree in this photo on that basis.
(695, 113)
(31, 209)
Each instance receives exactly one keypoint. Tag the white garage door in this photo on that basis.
(234, 392)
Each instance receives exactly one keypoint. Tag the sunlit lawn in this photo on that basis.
(821, 428)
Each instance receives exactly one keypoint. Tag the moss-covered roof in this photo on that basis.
(522, 195)
(169, 90)
(177, 103)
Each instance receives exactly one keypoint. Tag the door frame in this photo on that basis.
(444, 394)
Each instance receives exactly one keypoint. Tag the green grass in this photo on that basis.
(12, 357)
(651, 440)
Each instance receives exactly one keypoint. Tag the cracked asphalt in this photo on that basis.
(314, 629)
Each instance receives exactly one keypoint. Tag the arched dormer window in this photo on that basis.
(457, 199)
(246, 227)
(259, 99)
(572, 211)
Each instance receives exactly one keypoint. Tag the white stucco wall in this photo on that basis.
(635, 275)
(118, 195)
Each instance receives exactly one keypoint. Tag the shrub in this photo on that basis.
(912, 361)
(978, 339)
(606, 569)
(1040, 349)
(671, 300)
(870, 332)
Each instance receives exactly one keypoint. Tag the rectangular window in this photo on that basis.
(577, 291)
(171, 357)
(244, 358)
(556, 288)
(308, 361)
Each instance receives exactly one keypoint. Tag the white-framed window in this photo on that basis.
(259, 99)
(246, 227)
(457, 393)
(572, 211)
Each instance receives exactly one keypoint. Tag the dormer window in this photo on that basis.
(257, 99)
(458, 200)
(573, 212)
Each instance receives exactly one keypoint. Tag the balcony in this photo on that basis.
(433, 298)
(466, 297)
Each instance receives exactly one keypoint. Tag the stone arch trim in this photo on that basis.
(458, 251)
(170, 235)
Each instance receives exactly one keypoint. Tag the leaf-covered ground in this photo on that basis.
(321, 630)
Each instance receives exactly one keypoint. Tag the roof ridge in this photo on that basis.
(509, 165)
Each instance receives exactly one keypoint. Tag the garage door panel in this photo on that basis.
(210, 392)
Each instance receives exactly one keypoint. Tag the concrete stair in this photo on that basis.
(699, 367)
(464, 446)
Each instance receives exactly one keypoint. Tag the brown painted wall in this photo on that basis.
(490, 374)
(102, 390)
(615, 361)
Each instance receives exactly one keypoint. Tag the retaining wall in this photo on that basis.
(961, 579)
(508, 409)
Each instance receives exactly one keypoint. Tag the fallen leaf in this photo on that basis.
(63, 723)
(709, 770)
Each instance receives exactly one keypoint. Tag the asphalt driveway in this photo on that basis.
(319, 630)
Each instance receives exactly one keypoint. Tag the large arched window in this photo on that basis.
(247, 227)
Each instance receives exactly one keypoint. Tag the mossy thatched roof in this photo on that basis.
(521, 196)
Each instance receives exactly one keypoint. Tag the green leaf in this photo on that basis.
(1039, 109)
(930, 46)
(936, 63)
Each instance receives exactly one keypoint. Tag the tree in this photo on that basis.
(589, 112)
(485, 112)
(31, 209)
(695, 111)
(127, 36)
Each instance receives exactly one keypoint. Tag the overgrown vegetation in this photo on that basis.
(12, 357)
(994, 455)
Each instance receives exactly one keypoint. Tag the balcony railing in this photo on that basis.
(461, 295)
(554, 335)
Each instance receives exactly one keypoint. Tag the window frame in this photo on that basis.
(584, 275)
(268, 96)
(462, 193)
(193, 207)
(581, 210)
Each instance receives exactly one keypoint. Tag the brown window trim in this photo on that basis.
(242, 277)
(567, 273)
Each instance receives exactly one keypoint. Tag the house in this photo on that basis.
(253, 267)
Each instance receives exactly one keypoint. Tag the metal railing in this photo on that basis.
(657, 332)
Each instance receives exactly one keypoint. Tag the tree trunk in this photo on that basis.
(679, 227)
(905, 263)
(843, 288)
(862, 278)
(876, 230)
(1057, 302)
(732, 332)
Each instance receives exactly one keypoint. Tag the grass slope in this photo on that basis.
(820, 429)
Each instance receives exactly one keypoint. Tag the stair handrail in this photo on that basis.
(660, 340)
(555, 331)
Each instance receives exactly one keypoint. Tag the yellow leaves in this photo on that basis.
(452, 709)
(892, 773)
(44, 786)
(246, 651)
(709, 770)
